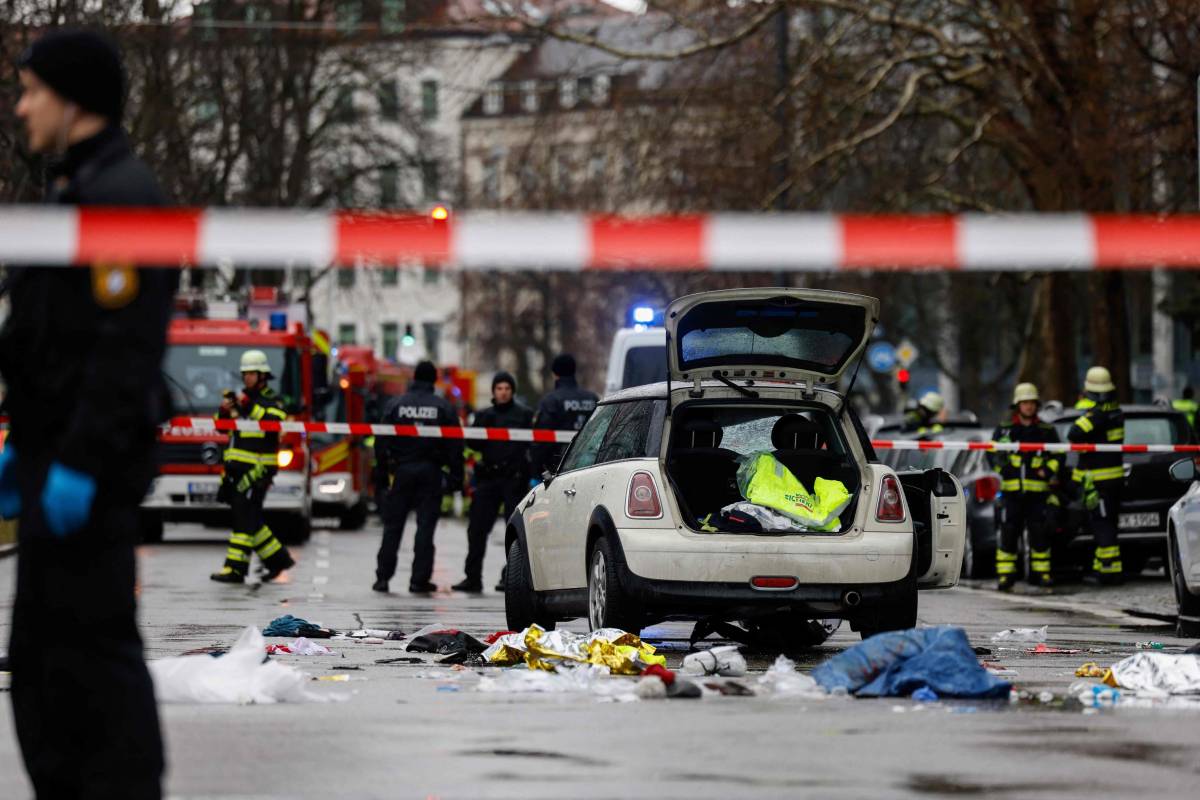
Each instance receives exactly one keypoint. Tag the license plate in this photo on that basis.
(1134, 521)
(202, 492)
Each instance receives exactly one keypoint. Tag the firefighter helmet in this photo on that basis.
(1098, 380)
(1025, 391)
(255, 361)
(932, 402)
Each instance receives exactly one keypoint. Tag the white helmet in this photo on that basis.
(1025, 391)
(1098, 380)
(932, 402)
(255, 361)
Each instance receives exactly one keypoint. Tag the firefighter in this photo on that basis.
(81, 353)
(251, 461)
(566, 408)
(412, 478)
(1028, 482)
(1100, 476)
(1187, 406)
(501, 475)
(922, 420)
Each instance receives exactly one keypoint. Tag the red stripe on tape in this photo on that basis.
(391, 238)
(926, 445)
(663, 242)
(498, 434)
(1135, 448)
(542, 435)
(979, 445)
(892, 241)
(360, 429)
(161, 236)
(452, 432)
(1141, 242)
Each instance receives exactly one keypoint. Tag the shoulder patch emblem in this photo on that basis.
(114, 285)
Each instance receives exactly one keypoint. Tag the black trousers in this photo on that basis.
(415, 487)
(490, 495)
(1103, 520)
(82, 699)
(1021, 510)
(250, 531)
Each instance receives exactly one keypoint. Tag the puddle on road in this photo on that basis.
(930, 784)
(1164, 755)
(510, 752)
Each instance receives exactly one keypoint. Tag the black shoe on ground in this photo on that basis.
(379, 586)
(1041, 579)
(469, 586)
(422, 588)
(277, 568)
(1005, 583)
(226, 575)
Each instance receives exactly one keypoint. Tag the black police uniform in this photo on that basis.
(566, 408)
(1100, 478)
(82, 355)
(251, 462)
(413, 467)
(1028, 483)
(501, 478)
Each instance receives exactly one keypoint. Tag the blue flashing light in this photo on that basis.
(279, 320)
(643, 315)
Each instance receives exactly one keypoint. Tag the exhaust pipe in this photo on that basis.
(851, 599)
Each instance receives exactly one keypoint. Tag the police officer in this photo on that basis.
(566, 408)
(251, 462)
(81, 353)
(414, 478)
(1100, 476)
(922, 420)
(501, 475)
(1028, 482)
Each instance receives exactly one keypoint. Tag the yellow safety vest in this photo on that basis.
(767, 482)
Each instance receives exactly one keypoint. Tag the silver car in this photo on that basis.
(1183, 547)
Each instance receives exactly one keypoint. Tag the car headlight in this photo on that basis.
(285, 458)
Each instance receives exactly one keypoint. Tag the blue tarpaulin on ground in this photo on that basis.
(899, 663)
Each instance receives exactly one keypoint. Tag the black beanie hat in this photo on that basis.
(83, 67)
(425, 371)
(504, 377)
(564, 365)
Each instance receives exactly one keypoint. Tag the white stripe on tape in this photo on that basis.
(756, 242)
(34, 235)
(1026, 241)
(520, 241)
(266, 237)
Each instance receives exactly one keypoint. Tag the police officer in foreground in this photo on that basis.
(414, 479)
(923, 420)
(251, 462)
(501, 475)
(1028, 482)
(1100, 477)
(81, 353)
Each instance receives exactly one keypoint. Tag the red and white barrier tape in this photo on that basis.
(202, 425)
(56, 236)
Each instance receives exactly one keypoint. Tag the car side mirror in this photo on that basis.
(1184, 470)
(547, 476)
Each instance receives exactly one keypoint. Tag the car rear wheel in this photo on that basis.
(608, 607)
(521, 605)
(1187, 603)
(895, 613)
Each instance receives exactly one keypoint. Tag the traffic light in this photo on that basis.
(409, 339)
(902, 378)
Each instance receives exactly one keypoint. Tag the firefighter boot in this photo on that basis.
(276, 564)
(1004, 583)
(228, 575)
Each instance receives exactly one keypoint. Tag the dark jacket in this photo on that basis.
(1103, 423)
(249, 449)
(1035, 473)
(503, 459)
(566, 408)
(82, 350)
(419, 406)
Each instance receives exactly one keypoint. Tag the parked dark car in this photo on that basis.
(1149, 491)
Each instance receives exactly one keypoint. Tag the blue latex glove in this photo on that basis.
(67, 499)
(10, 495)
(533, 482)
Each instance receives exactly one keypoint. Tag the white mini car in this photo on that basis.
(1183, 547)
(624, 531)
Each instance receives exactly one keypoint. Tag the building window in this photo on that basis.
(389, 101)
(301, 278)
(493, 99)
(389, 335)
(346, 277)
(349, 16)
(391, 16)
(529, 96)
(431, 179)
(389, 276)
(389, 187)
(566, 92)
(347, 332)
(583, 90)
(491, 179)
(343, 105)
(433, 340)
(601, 86)
(431, 276)
(429, 100)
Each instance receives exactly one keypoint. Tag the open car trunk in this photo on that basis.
(710, 440)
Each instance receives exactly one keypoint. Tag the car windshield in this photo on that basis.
(197, 375)
(645, 364)
(748, 430)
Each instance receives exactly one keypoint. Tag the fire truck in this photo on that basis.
(341, 469)
(202, 362)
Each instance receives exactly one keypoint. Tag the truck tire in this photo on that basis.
(150, 526)
(290, 528)
(353, 518)
(521, 606)
(608, 606)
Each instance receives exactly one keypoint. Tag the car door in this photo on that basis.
(551, 520)
(948, 520)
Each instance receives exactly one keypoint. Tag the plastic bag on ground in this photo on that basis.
(300, 647)
(1162, 673)
(243, 675)
(445, 641)
(897, 664)
(726, 661)
(782, 679)
(1021, 635)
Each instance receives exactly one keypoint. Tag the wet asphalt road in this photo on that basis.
(423, 730)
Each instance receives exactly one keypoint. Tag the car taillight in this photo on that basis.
(285, 458)
(986, 488)
(643, 497)
(891, 504)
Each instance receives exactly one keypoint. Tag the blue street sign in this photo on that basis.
(881, 356)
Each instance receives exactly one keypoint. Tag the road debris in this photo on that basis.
(300, 647)
(1091, 670)
(620, 651)
(1157, 673)
(1043, 649)
(726, 661)
(1031, 635)
(783, 680)
(1149, 645)
(445, 641)
(287, 625)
